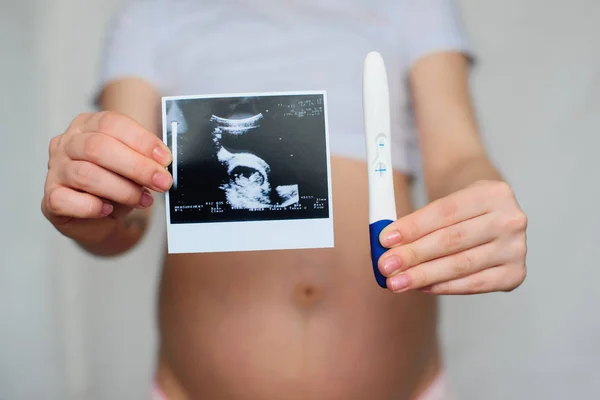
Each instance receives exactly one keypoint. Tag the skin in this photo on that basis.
(309, 323)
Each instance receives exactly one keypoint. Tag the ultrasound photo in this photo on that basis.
(258, 163)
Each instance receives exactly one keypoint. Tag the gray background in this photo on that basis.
(73, 327)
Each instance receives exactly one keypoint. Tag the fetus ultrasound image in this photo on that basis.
(247, 158)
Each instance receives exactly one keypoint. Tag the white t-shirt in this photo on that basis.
(189, 47)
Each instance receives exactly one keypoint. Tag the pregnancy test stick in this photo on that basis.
(376, 110)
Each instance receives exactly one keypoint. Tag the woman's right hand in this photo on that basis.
(100, 169)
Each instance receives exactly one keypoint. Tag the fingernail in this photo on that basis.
(391, 265)
(107, 209)
(146, 200)
(161, 155)
(399, 282)
(162, 181)
(390, 238)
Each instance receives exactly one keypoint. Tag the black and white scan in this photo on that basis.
(251, 158)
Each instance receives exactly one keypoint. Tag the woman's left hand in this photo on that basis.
(472, 241)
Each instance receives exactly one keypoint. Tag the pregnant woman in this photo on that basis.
(301, 324)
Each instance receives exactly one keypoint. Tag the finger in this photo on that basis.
(443, 242)
(91, 178)
(113, 155)
(459, 206)
(447, 268)
(130, 133)
(65, 202)
(503, 278)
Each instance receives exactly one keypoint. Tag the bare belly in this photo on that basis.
(307, 324)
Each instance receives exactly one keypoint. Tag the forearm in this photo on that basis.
(453, 153)
(460, 174)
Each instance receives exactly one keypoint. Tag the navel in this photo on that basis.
(306, 295)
